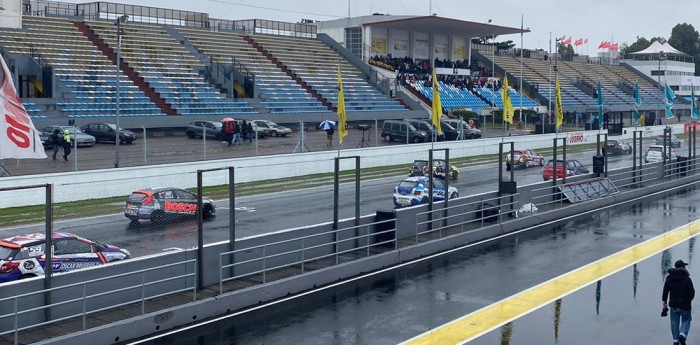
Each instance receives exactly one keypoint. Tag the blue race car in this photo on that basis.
(414, 190)
(23, 256)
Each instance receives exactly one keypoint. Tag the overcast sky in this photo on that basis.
(597, 20)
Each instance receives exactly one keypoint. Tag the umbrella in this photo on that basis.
(327, 124)
(227, 119)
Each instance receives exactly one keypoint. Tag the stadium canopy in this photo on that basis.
(446, 26)
(660, 48)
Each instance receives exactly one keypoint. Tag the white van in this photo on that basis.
(655, 153)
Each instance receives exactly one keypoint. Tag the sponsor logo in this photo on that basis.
(73, 265)
(180, 207)
(576, 138)
(29, 265)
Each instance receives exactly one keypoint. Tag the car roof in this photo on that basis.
(36, 238)
(419, 179)
(156, 189)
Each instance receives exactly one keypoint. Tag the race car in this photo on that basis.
(524, 158)
(420, 168)
(415, 190)
(23, 256)
(155, 204)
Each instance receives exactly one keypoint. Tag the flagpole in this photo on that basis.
(521, 71)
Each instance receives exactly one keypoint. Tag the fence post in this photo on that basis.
(145, 146)
(200, 230)
(48, 252)
(84, 306)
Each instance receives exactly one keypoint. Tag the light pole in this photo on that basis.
(120, 21)
(658, 101)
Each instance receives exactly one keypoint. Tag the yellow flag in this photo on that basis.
(560, 109)
(342, 118)
(437, 104)
(508, 110)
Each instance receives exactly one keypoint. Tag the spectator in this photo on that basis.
(71, 122)
(244, 130)
(55, 140)
(250, 131)
(66, 144)
(329, 136)
(236, 132)
(228, 132)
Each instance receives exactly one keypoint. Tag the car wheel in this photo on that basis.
(387, 137)
(208, 211)
(454, 195)
(273, 134)
(129, 142)
(424, 200)
(416, 140)
(191, 135)
(157, 217)
(544, 178)
(121, 141)
(455, 175)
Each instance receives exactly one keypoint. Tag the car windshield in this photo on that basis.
(5, 253)
(271, 124)
(420, 163)
(408, 184)
(71, 130)
(655, 149)
(137, 197)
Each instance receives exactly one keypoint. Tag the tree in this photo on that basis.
(641, 44)
(565, 51)
(685, 38)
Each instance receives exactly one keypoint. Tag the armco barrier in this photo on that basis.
(122, 181)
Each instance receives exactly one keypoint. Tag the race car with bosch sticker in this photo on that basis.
(24, 256)
(155, 204)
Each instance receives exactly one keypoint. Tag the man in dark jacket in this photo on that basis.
(679, 285)
(55, 139)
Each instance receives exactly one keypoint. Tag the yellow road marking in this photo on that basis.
(486, 319)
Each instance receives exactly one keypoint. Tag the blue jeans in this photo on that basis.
(680, 322)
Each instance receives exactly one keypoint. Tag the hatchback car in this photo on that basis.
(468, 131)
(199, 128)
(24, 256)
(107, 132)
(273, 129)
(415, 190)
(617, 147)
(403, 131)
(450, 132)
(573, 168)
(76, 135)
(675, 142)
(655, 153)
(524, 158)
(420, 168)
(155, 204)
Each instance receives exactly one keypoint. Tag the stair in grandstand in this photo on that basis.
(316, 65)
(275, 89)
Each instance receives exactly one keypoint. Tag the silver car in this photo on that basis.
(81, 139)
(273, 129)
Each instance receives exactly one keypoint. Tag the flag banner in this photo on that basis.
(579, 42)
(567, 41)
(601, 115)
(562, 38)
(604, 45)
(614, 47)
(669, 97)
(508, 111)
(437, 104)
(585, 41)
(693, 104)
(637, 103)
(18, 137)
(342, 116)
(560, 109)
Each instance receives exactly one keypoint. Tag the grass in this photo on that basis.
(102, 206)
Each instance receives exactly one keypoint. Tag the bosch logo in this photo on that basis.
(180, 207)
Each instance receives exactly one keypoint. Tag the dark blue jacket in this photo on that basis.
(679, 285)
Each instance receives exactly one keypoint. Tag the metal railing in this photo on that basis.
(85, 297)
(363, 242)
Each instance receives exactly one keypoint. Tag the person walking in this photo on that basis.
(236, 133)
(55, 141)
(228, 130)
(244, 130)
(329, 136)
(250, 132)
(66, 144)
(680, 288)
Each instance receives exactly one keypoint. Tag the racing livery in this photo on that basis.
(155, 204)
(421, 168)
(23, 256)
(524, 158)
(415, 190)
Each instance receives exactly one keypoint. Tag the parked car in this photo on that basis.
(198, 128)
(106, 132)
(24, 256)
(468, 131)
(617, 147)
(155, 204)
(398, 130)
(524, 158)
(415, 190)
(675, 142)
(273, 129)
(76, 134)
(420, 168)
(427, 127)
(44, 140)
(655, 153)
(573, 167)
(449, 131)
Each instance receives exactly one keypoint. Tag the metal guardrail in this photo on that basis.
(18, 312)
(364, 242)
